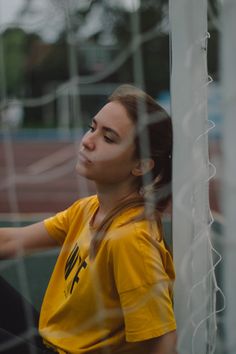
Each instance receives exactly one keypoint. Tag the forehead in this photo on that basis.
(115, 116)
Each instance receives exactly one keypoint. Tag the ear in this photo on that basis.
(143, 166)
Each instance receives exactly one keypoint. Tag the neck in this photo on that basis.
(110, 197)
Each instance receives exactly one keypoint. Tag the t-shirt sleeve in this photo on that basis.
(57, 225)
(140, 264)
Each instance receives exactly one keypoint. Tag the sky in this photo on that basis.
(45, 21)
(8, 10)
(38, 21)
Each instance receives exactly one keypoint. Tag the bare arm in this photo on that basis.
(166, 344)
(16, 241)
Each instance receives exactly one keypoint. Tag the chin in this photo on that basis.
(81, 172)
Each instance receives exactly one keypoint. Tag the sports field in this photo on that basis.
(37, 176)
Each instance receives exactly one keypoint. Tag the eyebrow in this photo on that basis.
(107, 129)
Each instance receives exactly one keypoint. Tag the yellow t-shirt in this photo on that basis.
(109, 304)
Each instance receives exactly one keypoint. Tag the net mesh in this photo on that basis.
(69, 56)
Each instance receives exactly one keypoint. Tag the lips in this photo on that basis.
(83, 158)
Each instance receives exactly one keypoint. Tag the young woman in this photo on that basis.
(111, 288)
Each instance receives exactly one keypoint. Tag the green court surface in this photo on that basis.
(29, 274)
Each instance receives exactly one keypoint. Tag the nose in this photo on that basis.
(87, 141)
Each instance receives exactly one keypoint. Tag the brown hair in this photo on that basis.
(153, 140)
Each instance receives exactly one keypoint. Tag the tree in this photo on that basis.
(14, 55)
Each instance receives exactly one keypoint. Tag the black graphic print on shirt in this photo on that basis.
(73, 267)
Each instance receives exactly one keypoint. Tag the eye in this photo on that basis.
(108, 140)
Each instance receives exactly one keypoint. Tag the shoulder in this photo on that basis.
(85, 202)
(128, 229)
(141, 242)
(84, 205)
(138, 257)
(128, 236)
(77, 211)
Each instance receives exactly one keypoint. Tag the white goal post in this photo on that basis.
(195, 287)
